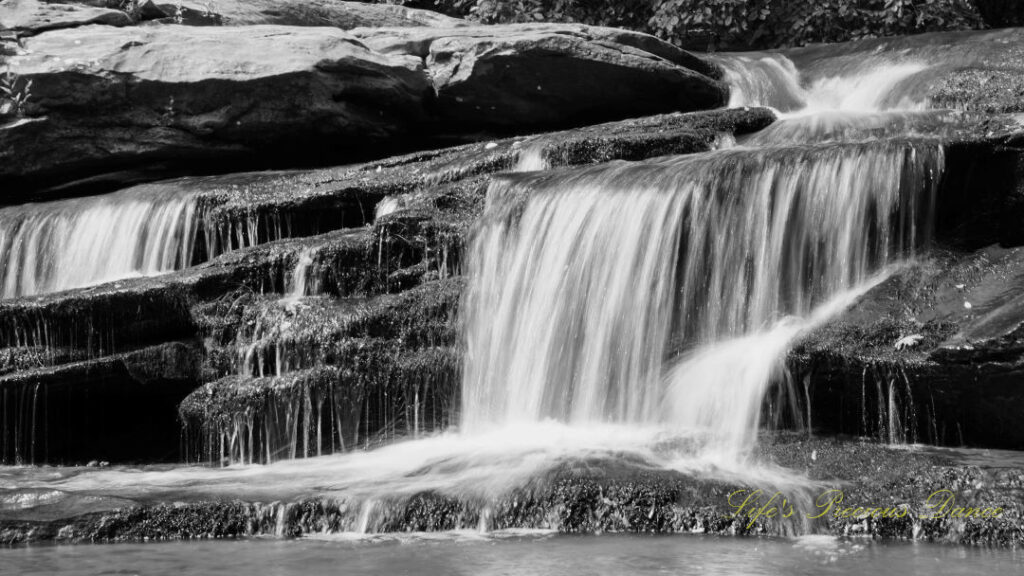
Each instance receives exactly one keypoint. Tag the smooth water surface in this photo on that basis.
(513, 554)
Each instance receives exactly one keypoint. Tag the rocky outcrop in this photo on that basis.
(933, 355)
(98, 405)
(382, 242)
(597, 496)
(116, 105)
(936, 353)
(336, 13)
(548, 74)
(28, 17)
(103, 98)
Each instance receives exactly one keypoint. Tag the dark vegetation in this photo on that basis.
(746, 24)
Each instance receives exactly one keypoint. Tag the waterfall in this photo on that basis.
(866, 84)
(72, 243)
(587, 286)
(53, 246)
(297, 284)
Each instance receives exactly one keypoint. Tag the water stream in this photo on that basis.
(637, 310)
(73, 243)
(474, 554)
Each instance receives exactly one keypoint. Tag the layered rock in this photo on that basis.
(375, 304)
(934, 354)
(117, 408)
(30, 17)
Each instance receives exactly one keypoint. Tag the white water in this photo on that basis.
(637, 311)
(584, 283)
(716, 391)
(667, 293)
(74, 243)
(871, 84)
(298, 283)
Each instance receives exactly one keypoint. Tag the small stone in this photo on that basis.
(968, 305)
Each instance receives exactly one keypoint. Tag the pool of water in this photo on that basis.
(532, 553)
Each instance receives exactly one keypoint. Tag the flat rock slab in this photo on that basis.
(103, 97)
(552, 74)
(337, 13)
(27, 17)
(30, 17)
(215, 99)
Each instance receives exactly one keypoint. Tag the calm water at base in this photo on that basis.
(518, 554)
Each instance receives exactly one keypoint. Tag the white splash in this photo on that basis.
(870, 84)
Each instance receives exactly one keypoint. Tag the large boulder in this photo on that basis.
(161, 99)
(103, 98)
(533, 75)
(29, 17)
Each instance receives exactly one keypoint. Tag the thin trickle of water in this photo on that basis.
(531, 159)
(298, 284)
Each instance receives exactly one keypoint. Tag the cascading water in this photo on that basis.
(869, 84)
(585, 284)
(53, 246)
(74, 243)
(667, 293)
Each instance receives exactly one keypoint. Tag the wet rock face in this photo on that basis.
(935, 355)
(118, 408)
(549, 75)
(596, 496)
